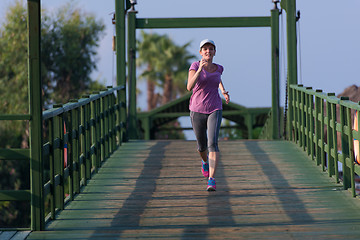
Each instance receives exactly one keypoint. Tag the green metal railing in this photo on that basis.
(266, 132)
(321, 124)
(80, 136)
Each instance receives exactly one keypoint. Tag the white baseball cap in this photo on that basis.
(205, 41)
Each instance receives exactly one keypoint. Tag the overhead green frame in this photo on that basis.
(221, 22)
(205, 22)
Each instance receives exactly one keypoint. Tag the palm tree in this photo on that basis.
(147, 56)
(174, 67)
(167, 66)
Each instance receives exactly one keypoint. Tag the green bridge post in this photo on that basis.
(275, 106)
(35, 106)
(121, 65)
(290, 8)
(132, 126)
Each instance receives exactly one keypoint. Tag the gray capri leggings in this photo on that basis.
(206, 122)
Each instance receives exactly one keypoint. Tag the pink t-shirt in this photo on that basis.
(205, 97)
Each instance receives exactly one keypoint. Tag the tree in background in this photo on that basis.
(166, 64)
(148, 55)
(13, 75)
(69, 42)
(167, 67)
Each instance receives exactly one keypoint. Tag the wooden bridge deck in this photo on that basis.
(154, 189)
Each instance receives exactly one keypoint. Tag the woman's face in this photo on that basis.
(207, 51)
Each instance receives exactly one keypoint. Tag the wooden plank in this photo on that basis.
(6, 235)
(154, 189)
(21, 235)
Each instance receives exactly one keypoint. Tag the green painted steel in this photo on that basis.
(15, 117)
(77, 124)
(322, 127)
(15, 154)
(275, 74)
(142, 23)
(35, 106)
(15, 195)
(121, 66)
(132, 126)
(290, 7)
(221, 22)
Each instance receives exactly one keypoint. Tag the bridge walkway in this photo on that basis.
(154, 189)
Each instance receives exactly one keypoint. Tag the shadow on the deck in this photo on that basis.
(217, 205)
(128, 215)
(280, 184)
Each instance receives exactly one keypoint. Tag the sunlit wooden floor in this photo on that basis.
(155, 189)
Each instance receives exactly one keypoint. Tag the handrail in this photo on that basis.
(79, 135)
(82, 134)
(322, 125)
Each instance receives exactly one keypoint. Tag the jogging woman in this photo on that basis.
(204, 80)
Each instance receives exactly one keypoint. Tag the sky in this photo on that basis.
(328, 43)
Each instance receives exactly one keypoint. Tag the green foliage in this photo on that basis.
(166, 68)
(68, 43)
(166, 64)
(170, 132)
(230, 133)
(13, 73)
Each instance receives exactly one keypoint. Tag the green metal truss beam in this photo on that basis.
(221, 22)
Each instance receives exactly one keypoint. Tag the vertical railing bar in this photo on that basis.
(317, 129)
(335, 140)
(61, 163)
(113, 124)
(102, 124)
(322, 134)
(83, 145)
(57, 159)
(106, 130)
(98, 132)
(93, 134)
(67, 142)
(52, 169)
(88, 140)
(351, 151)
(330, 142)
(307, 123)
(110, 109)
(344, 144)
(75, 148)
(303, 120)
(311, 128)
(294, 105)
(118, 118)
(299, 114)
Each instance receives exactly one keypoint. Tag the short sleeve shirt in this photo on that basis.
(205, 97)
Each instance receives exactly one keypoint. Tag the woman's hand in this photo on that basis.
(226, 96)
(202, 64)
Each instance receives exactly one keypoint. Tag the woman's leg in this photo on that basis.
(204, 155)
(214, 122)
(198, 121)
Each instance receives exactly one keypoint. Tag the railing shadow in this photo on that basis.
(218, 205)
(129, 217)
(280, 184)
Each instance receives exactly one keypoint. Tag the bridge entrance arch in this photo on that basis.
(135, 23)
